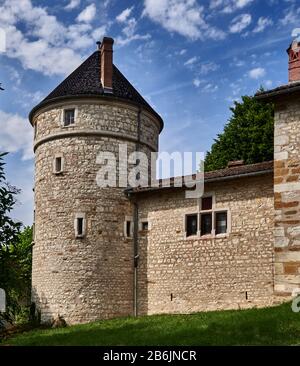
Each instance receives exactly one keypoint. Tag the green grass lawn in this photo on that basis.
(269, 326)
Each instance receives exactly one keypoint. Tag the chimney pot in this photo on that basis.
(294, 62)
(106, 50)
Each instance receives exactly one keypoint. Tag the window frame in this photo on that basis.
(58, 156)
(128, 219)
(185, 225)
(66, 108)
(213, 212)
(82, 216)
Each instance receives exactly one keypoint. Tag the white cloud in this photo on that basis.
(124, 15)
(262, 24)
(87, 14)
(239, 23)
(129, 29)
(16, 135)
(257, 73)
(72, 4)
(185, 17)
(197, 82)
(210, 88)
(44, 44)
(208, 67)
(291, 16)
(229, 6)
(191, 61)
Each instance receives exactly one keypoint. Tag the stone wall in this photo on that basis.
(89, 278)
(178, 275)
(287, 196)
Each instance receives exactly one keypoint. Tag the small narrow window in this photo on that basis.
(35, 129)
(69, 117)
(206, 224)
(128, 229)
(80, 226)
(145, 226)
(191, 225)
(58, 165)
(221, 223)
(206, 203)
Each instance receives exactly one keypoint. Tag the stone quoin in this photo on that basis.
(109, 252)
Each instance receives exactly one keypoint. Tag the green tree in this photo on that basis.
(15, 250)
(247, 136)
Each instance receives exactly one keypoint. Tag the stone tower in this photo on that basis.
(287, 177)
(83, 256)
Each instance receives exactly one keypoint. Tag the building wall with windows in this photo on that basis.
(230, 267)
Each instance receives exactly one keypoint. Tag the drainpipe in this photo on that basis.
(135, 257)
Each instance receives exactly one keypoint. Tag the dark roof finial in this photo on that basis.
(98, 45)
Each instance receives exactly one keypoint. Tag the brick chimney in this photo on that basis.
(294, 61)
(106, 50)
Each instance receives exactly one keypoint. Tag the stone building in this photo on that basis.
(103, 252)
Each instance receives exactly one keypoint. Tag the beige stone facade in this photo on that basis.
(235, 270)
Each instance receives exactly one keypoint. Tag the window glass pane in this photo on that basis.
(128, 229)
(58, 164)
(191, 225)
(206, 224)
(221, 222)
(206, 203)
(79, 226)
(69, 116)
(145, 225)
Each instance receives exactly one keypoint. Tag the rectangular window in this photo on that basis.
(145, 226)
(80, 231)
(58, 165)
(128, 229)
(221, 223)
(206, 224)
(69, 117)
(206, 203)
(191, 225)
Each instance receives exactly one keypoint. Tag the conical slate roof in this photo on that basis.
(85, 82)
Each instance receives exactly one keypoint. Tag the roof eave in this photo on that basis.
(277, 93)
(130, 191)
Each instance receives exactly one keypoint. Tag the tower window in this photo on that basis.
(58, 165)
(128, 229)
(69, 117)
(191, 225)
(80, 226)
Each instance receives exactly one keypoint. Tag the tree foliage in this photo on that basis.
(247, 136)
(15, 250)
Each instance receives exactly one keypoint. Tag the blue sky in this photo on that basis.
(189, 58)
